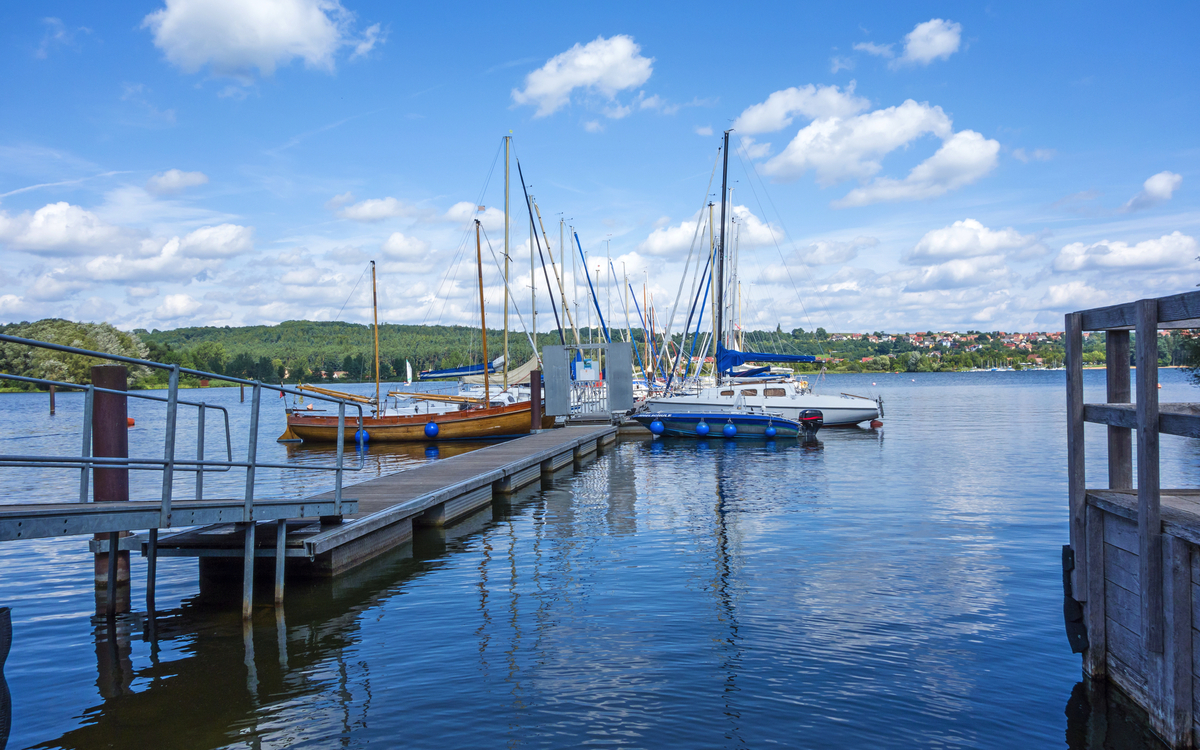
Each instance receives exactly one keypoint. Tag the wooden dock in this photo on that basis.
(435, 494)
(1132, 569)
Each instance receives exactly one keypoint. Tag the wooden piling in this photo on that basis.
(110, 439)
(1149, 511)
(535, 400)
(52, 399)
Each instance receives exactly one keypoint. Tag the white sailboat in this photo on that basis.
(735, 393)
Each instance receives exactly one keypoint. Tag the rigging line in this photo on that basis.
(753, 170)
(686, 326)
(549, 290)
(512, 298)
(352, 291)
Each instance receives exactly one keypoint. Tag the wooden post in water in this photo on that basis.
(1150, 544)
(535, 400)
(1120, 439)
(110, 439)
(1076, 488)
(52, 399)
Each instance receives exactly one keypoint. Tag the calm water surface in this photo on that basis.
(895, 588)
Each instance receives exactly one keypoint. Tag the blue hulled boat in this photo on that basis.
(724, 424)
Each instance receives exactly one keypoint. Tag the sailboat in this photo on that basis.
(743, 392)
(467, 419)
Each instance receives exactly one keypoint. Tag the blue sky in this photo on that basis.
(897, 166)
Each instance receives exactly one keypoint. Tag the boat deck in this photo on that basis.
(435, 494)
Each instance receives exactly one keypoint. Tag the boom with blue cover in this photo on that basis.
(455, 372)
(727, 359)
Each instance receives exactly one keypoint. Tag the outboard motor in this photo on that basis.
(810, 421)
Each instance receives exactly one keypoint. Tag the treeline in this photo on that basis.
(48, 364)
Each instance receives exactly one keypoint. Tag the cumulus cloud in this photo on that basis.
(1038, 154)
(604, 66)
(670, 240)
(176, 306)
(704, 130)
(879, 50)
(174, 181)
(402, 247)
(962, 159)
(224, 241)
(464, 212)
(374, 209)
(1173, 250)
(835, 252)
(1156, 189)
(1074, 295)
(234, 37)
(935, 39)
(338, 201)
(965, 239)
(176, 259)
(811, 102)
(959, 273)
(57, 229)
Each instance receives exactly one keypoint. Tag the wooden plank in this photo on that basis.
(1125, 608)
(1095, 659)
(1179, 308)
(1120, 439)
(1107, 318)
(1126, 646)
(1076, 487)
(1121, 533)
(1149, 510)
(1121, 568)
(1173, 419)
(1179, 311)
(1196, 653)
(1177, 624)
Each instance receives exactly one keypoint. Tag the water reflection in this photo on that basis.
(1100, 717)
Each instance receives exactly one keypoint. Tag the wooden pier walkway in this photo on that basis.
(435, 494)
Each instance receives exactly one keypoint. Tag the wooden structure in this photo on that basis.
(435, 494)
(1132, 571)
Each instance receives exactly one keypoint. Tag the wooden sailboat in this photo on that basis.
(472, 421)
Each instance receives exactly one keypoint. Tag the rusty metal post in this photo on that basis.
(110, 439)
(535, 400)
(52, 399)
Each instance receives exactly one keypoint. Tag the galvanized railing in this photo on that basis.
(169, 464)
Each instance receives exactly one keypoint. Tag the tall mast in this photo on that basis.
(562, 258)
(712, 277)
(507, 143)
(487, 391)
(375, 307)
(557, 278)
(532, 282)
(720, 334)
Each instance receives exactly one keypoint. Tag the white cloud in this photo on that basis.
(142, 292)
(840, 148)
(1038, 154)
(1074, 295)
(593, 126)
(174, 181)
(704, 130)
(840, 63)
(811, 102)
(338, 201)
(606, 66)
(935, 39)
(965, 239)
(57, 229)
(465, 212)
(233, 37)
(834, 252)
(879, 50)
(176, 306)
(1156, 189)
(372, 36)
(222, 241)
(1173, 250)
(374, 209)
(55, 285)
(959, 273)
(402, 247)
(963, 158)
(670, 240)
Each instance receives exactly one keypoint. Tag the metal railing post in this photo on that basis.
(200, 452)
(341, 447)
(168, 485)
(84, 470)
(252, 451)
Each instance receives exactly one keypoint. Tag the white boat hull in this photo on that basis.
(842, 410)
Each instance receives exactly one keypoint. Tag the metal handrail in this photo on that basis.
(169, 463)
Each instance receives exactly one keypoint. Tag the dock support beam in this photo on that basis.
(1076, 487)
(110, 439)
(1149, 513)
(248, 572)
(280, 551)
(151, 567)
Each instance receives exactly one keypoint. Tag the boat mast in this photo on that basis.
(720, 334)
(532, 275)
(712, 281)
(375, 307)
(507, 143)
(487, 392)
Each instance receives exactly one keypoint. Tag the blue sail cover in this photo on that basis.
(727, 359)
(455, 372)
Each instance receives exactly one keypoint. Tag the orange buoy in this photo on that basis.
(129, 421)
(875, 424)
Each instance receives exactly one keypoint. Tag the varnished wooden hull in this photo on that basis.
(473, 424)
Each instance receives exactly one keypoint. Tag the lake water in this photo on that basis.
(891, 588)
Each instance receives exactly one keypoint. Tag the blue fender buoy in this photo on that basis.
(729, 430)
(431, 429)
(770, 431)
(362, 437)
(702, 428)
(657, 427)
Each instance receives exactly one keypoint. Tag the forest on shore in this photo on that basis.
(309, 351)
